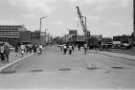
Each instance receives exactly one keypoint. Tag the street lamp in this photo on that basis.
(41, 18)
(41, 21)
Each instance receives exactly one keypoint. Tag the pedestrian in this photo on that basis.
(79, 47)
(30, 48)
(70, 49)
(22, 49)
(39, 49)
(73, 48)
(2, 55)
(35, 48)
(65, 48)
(7, 51)
(16, 49)
(85, 48)
(60, 47)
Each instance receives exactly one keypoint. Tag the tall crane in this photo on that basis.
(83, 24)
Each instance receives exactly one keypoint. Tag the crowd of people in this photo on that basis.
(20, 50)
(69, 48)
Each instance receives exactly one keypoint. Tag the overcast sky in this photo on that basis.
(107, 17)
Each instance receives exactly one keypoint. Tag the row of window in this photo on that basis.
(10, 36)
(9, 27)
(9, 33)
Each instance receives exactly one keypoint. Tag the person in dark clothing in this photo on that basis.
(6, 52)
(73, 48)
(65, 49)
(35, 48)
(16, 49)
(79, 47)
(85, 48)
(2, 55)
(70, 49)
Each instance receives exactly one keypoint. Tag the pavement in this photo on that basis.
(53, 70)
(119, 55)
(13, 59)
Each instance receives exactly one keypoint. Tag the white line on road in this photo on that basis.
(12, 63)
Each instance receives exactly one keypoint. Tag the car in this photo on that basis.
(126, 45)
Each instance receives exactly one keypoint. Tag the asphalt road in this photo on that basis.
(55, 70)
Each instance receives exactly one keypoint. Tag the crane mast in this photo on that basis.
(82, 22)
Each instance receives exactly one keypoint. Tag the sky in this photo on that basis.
(106, 17)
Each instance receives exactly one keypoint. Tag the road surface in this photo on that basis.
(54, 70)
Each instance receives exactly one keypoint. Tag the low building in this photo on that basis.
(123, 38)
(72, 35)
(107, 40)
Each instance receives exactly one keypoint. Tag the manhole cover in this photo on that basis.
(64, 69)
(92, 67)
(117, 67)
(37, 70)
(8, 71)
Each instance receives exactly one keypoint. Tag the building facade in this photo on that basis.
(123, 38)
(11, 33)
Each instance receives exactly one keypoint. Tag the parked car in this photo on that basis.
(126, 45)
(116, 44)
(106, 45)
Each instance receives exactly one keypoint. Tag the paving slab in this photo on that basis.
(126, 56)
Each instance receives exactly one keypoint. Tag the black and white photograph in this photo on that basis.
(67, 44)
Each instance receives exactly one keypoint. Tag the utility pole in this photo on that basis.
(134, 15)
(133, 34)
(134, 19)
(45, 35)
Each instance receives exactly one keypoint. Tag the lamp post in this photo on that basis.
(41, 18)
(41, 21)
(134, 20)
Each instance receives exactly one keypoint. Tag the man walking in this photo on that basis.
(85, 48)
(65, 48)
(22, 47)
(70, 49)
(39, 49)
(6, 51)
(2, 55)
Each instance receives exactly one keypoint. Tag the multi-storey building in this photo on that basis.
(11, 33)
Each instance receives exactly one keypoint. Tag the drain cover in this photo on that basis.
(92, 67)
(8, 71)
(64, 69)
(117, 67)
(37, 70)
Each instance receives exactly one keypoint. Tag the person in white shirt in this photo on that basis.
(22, 49)
(40, 47)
